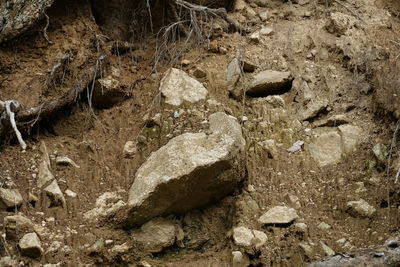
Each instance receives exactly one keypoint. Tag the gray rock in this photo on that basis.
(264, 16)
(120, 249)
(106, 205)
(339, 23)
(177, 87)
(47, 182)
(326, 148)
(107, 92)
(324, 226)
(266, 31)
(10, 198)
(351, 136)
(260, 238)
(191, 170)
(239, 260)
(360, 208)
(301, 227)
(293, 200)
(307, 249)
(279, 215)
(156, 235)
(327, 250)
(30, 245)
(16, 226)
(233, 73)
(381, 152)
(243, 236)
(130, 149)
(313, 108)
(270, 82)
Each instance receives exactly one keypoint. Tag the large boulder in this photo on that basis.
(190, 171)
(177, 87)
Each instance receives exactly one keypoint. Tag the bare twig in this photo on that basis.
(45, 29)
(11, 107)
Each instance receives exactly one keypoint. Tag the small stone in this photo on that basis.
(121, 249)
(341, 241)
(239, 260)
(308, 250)
(243, 236)
(223, 50)
(233, 73)
(130, 149)
(255, 37)
(62, 160)
(360, 208)
(239, 5)
(327, 250)
(293, 200)
(360, 188)
(270, 82)
(30, 245)
(10, 198)
(251, 188)
(295, 147)
(144, 264)
(263, 16)
(70, 193)
(381, 152)
(266, 31)
(313, 109)
(199, 73)
(33, 199)
(324, 226)
(260, 238)
(107, 92)
(109, 242)
(156, 235)
(338, 23)
(177, 87)
(185, 62)
(301, 227)
(8, 262)
(279, 215)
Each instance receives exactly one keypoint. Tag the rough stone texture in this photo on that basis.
(10, 198)
(19, 15)
(233, 73)
(8, 262)
(360, 208)
(190, 171)
(242, 236)
(339, 23)
(327, 250)
(326, 148)
(178, 87)
(156, 235)
(47, 182)
(307, 249)
(64, 160)
(260, 238)
(279, 215)
(106, 205)
(17, 225)
(239, 260)
(351, 136)
(313, 108)
(270, 82)
(30, 245)
(107, 92)
(130, 149)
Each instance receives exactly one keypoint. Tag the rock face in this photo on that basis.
(360, 208)
(178, 87)
(30, 245)
(190, 171)
(10, 198)
(279, 215)
(16, 226)
(270, 82)
(157, 234)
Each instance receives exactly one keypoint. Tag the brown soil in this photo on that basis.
(95, 138)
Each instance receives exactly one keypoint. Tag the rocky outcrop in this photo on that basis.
(190, 171)
(176, 86)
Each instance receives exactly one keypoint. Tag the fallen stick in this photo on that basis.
(11, 107)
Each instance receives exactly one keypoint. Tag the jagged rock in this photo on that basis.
(264, 16)
(10, 198)
(233, 73)
(333, 121)
(381, 152)
(156, 235)
(293, 200)
(107, 92)
(279, 215)
(47, 182)
(190, 171)
(260, 238)
(242, 236)
(266, 31)
(307, 249)
(360, 208)
(30, 245)
(17, 16)
(63, 160)
(270, 82)
(324, 226)
(326, 147)
(70, 193)
(130, 149)
(16, 226)
(255, 37)
(339, 23)
(351, 136)
(177, 87)
(327, 250)
(301, 227)
(121, 249)
(313, 108)
(239, 260)
(106, 205)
